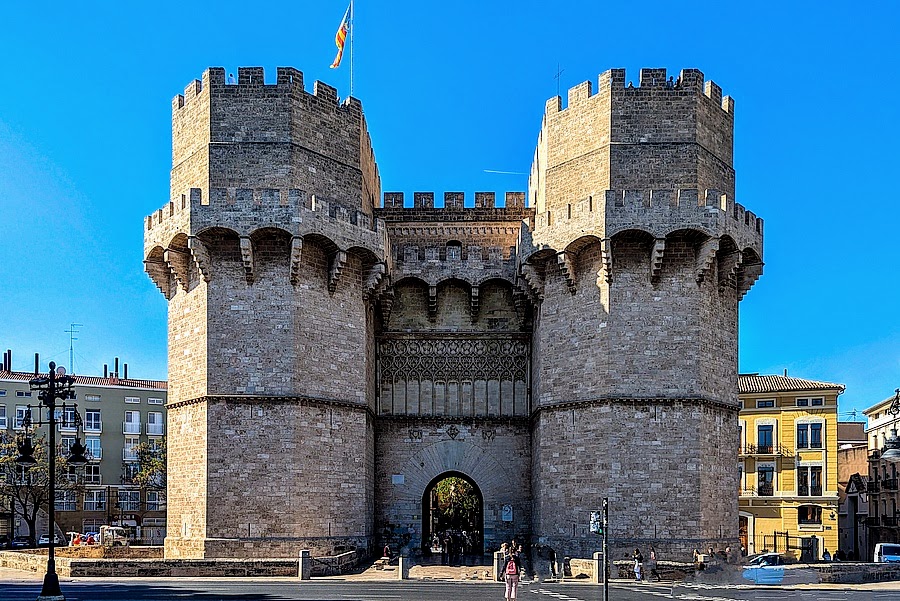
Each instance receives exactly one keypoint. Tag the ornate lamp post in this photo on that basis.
(55, 386)
(892, 444)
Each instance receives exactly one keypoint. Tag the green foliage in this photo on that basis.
(27, 489)
(456, 502)
(151, 471)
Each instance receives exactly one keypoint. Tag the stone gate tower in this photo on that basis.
(331, 359)
(638, 258)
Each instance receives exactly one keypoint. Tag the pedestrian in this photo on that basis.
(826, 556)
(652, 564)
(638, 564)
(511, 573)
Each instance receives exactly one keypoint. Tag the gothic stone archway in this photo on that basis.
(453, 511)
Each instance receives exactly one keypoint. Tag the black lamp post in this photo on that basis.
(892, 444)
(55, 386)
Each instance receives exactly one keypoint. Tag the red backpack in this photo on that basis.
(511, 567)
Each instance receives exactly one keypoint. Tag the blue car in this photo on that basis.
(767, 568)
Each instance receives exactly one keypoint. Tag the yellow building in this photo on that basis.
(788, 464)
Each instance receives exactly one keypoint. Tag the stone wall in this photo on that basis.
(411, 454)
(651, 458)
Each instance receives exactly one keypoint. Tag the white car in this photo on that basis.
(887, 553)
(44, 541)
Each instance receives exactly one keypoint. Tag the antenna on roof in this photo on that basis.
(71, 332)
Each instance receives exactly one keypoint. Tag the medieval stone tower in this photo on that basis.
(331, 360)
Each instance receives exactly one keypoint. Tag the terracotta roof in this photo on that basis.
(750, 383)
(21, 376)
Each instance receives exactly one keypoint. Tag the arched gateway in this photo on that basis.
(453, 517)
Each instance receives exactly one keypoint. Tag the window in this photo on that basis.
(72, 474)
(95, 500)
(67, 418)
(23, 393)
(129, 471)
(817, 402)
(765, 480)
(66, 443)
(92, 474)
(65, 500)
(129, 452)
(21, 412)
(3, 417)
(765, 404)
(93, 447)
(155, 500)
(810, 402)
(154, 401)
(92, 397)
(132, 423)
(130, 500)
(155, 423)
(2, 392)
(92, 422)
(809, 515)
(132, 399)
(764, 438)
(809, 481)
(809, 435)
(803, 402)
(23, 476)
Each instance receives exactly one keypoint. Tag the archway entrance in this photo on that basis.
(453, 519)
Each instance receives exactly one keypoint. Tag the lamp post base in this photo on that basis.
(50, 591)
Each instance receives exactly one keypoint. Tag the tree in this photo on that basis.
(457, 503)
(28, 487)
(151, 462)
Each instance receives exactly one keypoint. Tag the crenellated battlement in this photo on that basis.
(652, 81)
(453, 201)
(657, 212)
(252, 80)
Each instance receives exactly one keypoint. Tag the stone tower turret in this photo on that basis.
(266, 252)
(638, 258)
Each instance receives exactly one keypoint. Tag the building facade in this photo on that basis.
(788, 465)
(362, 348)
(882, 483)
(853, 466)
(118, 414)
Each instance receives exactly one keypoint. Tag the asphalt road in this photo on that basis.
(335, 590)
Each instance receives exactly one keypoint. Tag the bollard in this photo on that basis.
(305, 565)
(597, 576)
(402, 568)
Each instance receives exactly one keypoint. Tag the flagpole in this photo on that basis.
(352, 27)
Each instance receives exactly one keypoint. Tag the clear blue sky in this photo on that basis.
(450, 90)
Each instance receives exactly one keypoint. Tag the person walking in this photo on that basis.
(511, 573)
(654, 571)
(638, 565)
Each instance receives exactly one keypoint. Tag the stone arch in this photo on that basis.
(410, 296)
(474, 527)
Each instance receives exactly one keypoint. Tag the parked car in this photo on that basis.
(21, 542)
(887, 553)
(44, 541)
(767, 568)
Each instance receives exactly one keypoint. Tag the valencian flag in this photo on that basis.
(341, 37)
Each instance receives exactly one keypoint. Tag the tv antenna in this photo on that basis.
(71, 332)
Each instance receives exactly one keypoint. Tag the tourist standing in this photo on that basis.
(638, 565)
(511, 573)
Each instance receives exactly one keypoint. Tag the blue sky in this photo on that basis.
(452, 90)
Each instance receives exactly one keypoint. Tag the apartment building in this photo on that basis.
(117, 415)
(788, 465)
(882, 483)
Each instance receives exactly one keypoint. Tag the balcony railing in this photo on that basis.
(131, 427)
(889, 521)
(889, 484)
(873, 485)
(809, 491)
(94, 428)
(872, 521)
(155, 429)
(771, 449)
(129, 455)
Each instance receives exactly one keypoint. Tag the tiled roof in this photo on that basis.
(20, 376)
(751, 383)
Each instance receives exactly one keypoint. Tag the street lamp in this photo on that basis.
(55, 386)
(892, 444)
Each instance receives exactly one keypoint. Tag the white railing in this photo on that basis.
(129, 455)
(131, 427)
(155, 429)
